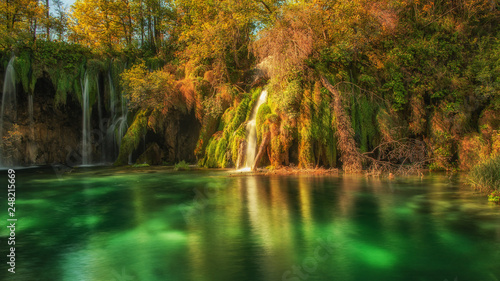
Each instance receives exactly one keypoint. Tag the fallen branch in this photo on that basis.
(262, 148)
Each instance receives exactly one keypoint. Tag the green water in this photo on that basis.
(136, 224)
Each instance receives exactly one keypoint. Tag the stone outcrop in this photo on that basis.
(180, 136)
(52, 136)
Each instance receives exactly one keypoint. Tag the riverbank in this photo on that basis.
(486, 177)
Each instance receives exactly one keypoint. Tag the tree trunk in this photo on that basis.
(150, 33)
(130, 26)
(141, 16)
(34, 30)
(47, 24)
(262, 148)
(350, 155)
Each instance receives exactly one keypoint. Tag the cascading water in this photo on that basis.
(8, 113)
(86, 149)
(118, 125)
(31, 144)
(252, 132)
(111, 130)
(30, 110)
(101, 125)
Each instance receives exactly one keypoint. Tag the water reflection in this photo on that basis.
(255, 228)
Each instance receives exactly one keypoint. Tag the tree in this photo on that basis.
(18, 21)
(103, 25)
(60, 21)
(218, 33)
(151, 90)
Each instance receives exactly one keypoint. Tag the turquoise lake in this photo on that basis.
(214, 225)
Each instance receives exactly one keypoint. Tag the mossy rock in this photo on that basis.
(132, 137)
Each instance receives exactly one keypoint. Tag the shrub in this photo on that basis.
(486, 174)
(494, 197)
(471, 149)
(181, 166)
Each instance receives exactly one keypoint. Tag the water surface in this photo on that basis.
(156, 224)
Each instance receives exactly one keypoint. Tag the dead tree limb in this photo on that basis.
(262, 148)
(350, 155)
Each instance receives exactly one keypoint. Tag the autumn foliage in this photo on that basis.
(351, 83)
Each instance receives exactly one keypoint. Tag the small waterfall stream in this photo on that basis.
(86, 145)
(252, 132)
(111, 129)
(30, 111)
(8, 113)
(31, 144)
(101, 125)
(118, 124)
(102, 144)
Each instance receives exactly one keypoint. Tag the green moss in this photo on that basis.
(494, 197)
(64, 81)
(210, 160)
(306, 152)
(117, 66)
(236, 138)
(220, 153)
(65, 64)
(286, 98)
(226, 118)
(209, 126)
(262, 115)
(367, 116)
(64, 85)
(317, 141)
(222, 148)
(241, 115)
(22, 65)
(61, 61)
(155, 63)
(233, 118)
(326, 136)
(132, 137)
(254, 95)
(95, 66)
(363, 116)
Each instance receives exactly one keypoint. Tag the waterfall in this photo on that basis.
(31, 144)
(86, 149)
(112, 95)
(30, 110)
(118, 124)
(8, 113)
(102, 143)
(111, 130)
(252, 132)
